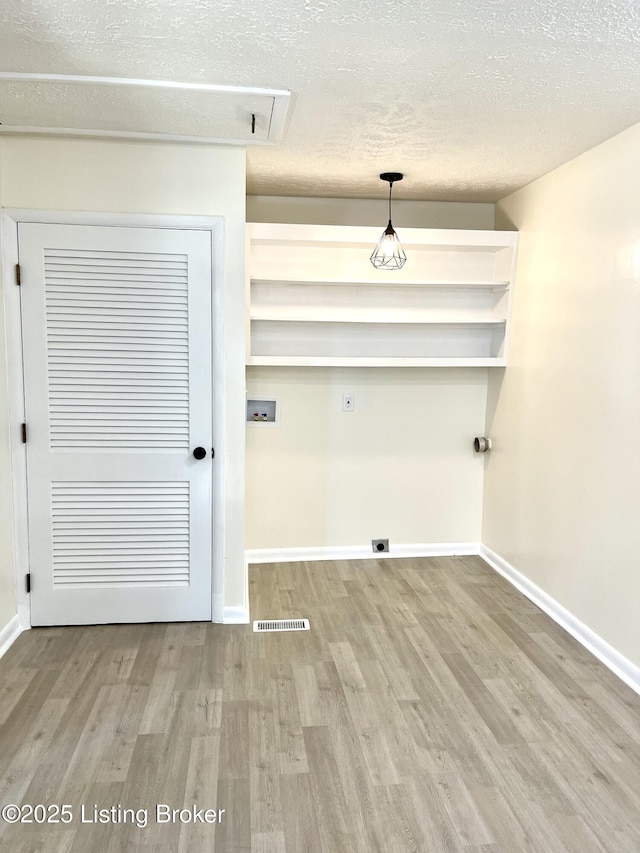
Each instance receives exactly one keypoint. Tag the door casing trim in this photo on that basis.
(9, 221)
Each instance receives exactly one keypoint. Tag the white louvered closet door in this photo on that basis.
(118, 389)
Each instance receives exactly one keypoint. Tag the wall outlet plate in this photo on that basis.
(348, 402)
(379, 546)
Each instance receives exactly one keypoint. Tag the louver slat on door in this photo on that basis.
(107, 534)
(117, 349)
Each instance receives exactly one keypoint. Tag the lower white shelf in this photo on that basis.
(390, 342)
(355, 361)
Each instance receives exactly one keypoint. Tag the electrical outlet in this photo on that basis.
(380, 545)
(348, 402)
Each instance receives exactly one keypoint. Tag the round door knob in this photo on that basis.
(199, 453)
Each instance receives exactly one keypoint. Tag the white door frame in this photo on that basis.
(15, 387)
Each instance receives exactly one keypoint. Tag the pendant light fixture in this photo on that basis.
(389, 254)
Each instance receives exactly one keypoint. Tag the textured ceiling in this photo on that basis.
(470, 98)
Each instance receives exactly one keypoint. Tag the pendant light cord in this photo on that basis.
(390, 188)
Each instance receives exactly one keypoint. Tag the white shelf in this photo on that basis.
(390, 319)
(354, 361)
(332, 236)
(383, 282)
(315, 299)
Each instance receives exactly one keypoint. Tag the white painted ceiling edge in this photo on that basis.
(470, 99)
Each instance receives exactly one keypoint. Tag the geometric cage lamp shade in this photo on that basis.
(389, 254)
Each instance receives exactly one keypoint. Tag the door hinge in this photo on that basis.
(24, 433)
(28, 580)
(18, 280)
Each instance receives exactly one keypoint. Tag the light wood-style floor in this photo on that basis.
(431, 708)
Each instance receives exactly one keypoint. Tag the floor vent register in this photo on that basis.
(262, 625)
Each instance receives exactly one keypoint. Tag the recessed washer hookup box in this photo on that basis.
(262, 412)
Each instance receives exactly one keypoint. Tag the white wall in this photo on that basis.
(370, 211)
(401, 466)
(562, 488)
(8, 607)
(137, 177)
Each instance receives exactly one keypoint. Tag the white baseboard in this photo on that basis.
(9, 634)
(236, 616)
(610, 657)
(361, 552)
